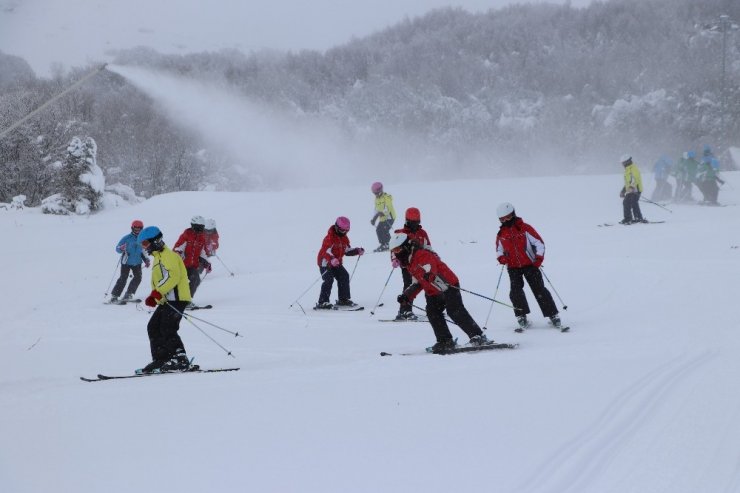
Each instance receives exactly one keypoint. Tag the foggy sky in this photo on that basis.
(73, 32)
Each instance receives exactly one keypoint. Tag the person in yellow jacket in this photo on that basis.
(385, 215)
(170, 295)
(631, 192)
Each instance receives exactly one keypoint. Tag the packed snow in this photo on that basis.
(640, 396)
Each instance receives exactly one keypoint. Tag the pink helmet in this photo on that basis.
(342, 223)
(377, 187)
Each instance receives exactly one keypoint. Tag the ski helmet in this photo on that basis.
(342, 223)
(504, 209)
(398, 240)
(625, 159)
(690, 154)
(413, 214)
(707, 150)
(198, 220)
(137, 224)
(210, 224)
(377, 187)
(151, 239)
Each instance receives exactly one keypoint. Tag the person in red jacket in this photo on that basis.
(191, 246)
(413, 230)
(441, 288)
(521, 249)
(333, 249)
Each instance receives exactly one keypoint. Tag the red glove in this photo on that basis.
(503, 260)
(538, 261)
(152, 299)
(360, 251)
(334, 262)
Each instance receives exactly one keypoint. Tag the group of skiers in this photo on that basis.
(687, 172)
(518, 247)
(175, 278)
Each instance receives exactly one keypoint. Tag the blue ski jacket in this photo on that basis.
(132, 253)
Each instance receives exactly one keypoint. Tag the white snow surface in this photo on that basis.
(640, 396)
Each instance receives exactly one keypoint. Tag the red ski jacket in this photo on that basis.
(429, 273)
(519, 244)
(333, 246)
(191, 246)
(211, 242)
(419, 236)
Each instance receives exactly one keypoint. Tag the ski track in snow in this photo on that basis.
(576, 465)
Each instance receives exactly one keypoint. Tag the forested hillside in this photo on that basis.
(531, 89)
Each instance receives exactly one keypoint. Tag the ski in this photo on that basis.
(459, 349)
(403, 320)
(348, 308)
(102, 377)
(198, 307)
(122, 302)
(520, 330)
(606, 225)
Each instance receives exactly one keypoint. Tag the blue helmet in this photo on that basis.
(689, 154)
(707, 150)
(149, 233)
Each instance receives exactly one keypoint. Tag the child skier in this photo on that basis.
(385, 215)
(441, 288)
(333, 249)
(191, 246)
(131, 259)
(170, 295)
(414, 232)
(631, 192)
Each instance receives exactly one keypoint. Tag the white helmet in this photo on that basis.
(198, 220)
(626, 158)
(210, 224)
(397, 240)
(504, 209)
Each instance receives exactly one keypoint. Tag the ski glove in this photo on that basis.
(355, 251)
(395, 262)
(122, 248)
(146, 262)
(152, 299)
(538, 261)
(503, 260)
(334, 262)
(207, 266)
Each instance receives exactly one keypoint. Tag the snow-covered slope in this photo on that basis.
(639, 397)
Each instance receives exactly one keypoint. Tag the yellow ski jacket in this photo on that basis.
(632, 178)
(170, 277)
(384, 210)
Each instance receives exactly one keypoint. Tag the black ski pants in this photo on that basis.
(162, 328)
(536, 284)
(407, 280)
(121, 282)
(194, 278)
(631, 206)
(329, 274)
(450, 300)
(383, 230)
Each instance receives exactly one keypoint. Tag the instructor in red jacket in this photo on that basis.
(521, 249)
(191, 245)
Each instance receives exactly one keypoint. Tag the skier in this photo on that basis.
(709, 156)
(686, 176)
(521, 249)
(333, 249)
(385, 215)
(661, 171)
(211, 245)
(707, 177)
(131, 258)
(170, 295)
(413, 230)
(631, 192)
(441, 288)
(191, 246)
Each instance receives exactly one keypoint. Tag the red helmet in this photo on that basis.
(137, 224)
(413, 214)
(376, 187)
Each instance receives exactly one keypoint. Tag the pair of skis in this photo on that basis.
(102, 377)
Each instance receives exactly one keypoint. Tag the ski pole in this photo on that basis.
(565, 307)
(222, 263)
(355, 268)
(114, 276)
(377, 303)
(482, 296)
(422, 309)
(494, 297)
(655, 203)
(321, 277)
(187, 317)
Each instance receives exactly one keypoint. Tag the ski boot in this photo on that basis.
(523, 323)
(179, 362)
(153, 367)
(479, 340)
(443, 346)
(323, 305)
(626, 221)
(406, 315)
